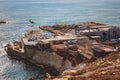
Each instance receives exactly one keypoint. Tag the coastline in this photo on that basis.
(70, 46)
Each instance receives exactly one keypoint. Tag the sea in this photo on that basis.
(17, 13)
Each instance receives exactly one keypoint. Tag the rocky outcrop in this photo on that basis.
(107, 68)
(2, 22)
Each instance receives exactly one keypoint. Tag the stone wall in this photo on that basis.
(47, 58)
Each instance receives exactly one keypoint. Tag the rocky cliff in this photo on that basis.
(106, 68)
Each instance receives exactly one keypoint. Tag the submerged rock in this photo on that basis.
(3, 22)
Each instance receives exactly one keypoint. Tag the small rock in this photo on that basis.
(69, 72)
(113, 73)
(103, 72)
(118, 61)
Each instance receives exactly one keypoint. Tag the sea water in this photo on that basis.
(17, 13)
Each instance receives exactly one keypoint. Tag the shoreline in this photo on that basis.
(70, 46)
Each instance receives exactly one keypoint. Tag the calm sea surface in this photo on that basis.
(46, 12)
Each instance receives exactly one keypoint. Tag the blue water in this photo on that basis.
(46, 12)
